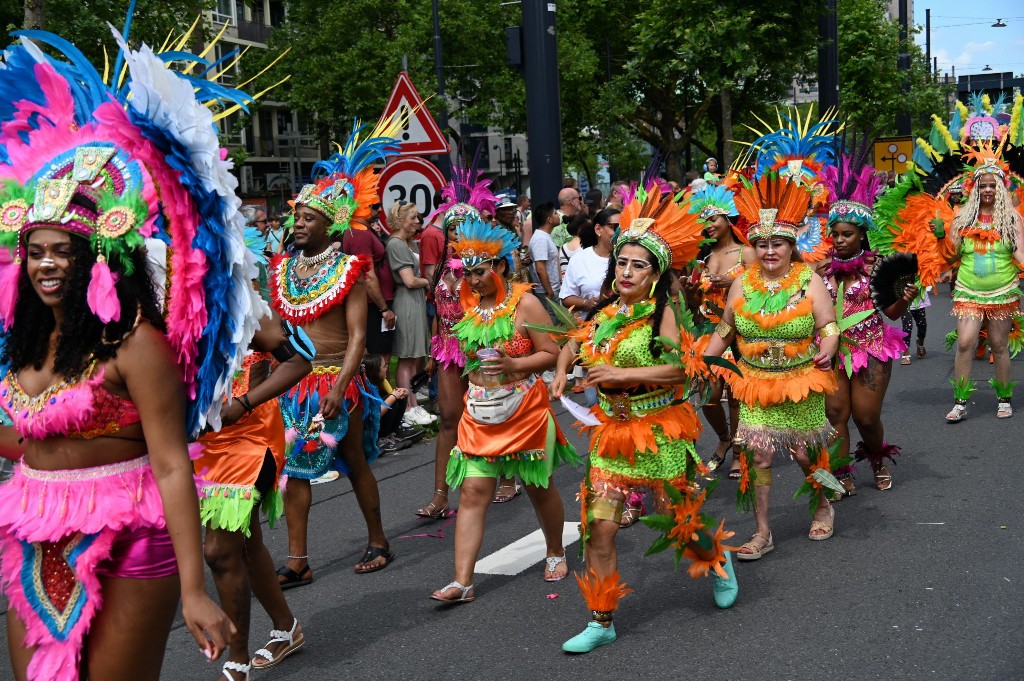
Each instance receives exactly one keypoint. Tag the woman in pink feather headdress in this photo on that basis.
(465, 196)
(864, 372)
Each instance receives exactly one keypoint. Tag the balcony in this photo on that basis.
(254, 31)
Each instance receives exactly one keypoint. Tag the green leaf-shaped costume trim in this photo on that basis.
(1004, 391)
(229, 507)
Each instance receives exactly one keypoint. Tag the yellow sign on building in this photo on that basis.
(893, 153)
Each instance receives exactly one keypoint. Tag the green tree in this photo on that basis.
(870, 81)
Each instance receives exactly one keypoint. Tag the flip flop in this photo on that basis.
(293, 579)
(372, 553)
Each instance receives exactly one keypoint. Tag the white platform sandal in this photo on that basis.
(236, 667)
(264, 659)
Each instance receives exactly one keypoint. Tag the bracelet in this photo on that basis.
(830, 329)
(384, 310)
(244, 399)
(723, 330)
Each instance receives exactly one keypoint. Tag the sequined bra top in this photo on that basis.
(79, 409)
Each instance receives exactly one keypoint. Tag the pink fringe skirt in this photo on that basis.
(59, 533)
(884, 344)
(446, 351)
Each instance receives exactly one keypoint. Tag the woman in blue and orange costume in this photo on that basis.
(864, 370)
(645, 429)
(241, 465)
(775, 310)
(332, 417)
(466, 197)
(721, 264)
(508, 428)
(100, 533)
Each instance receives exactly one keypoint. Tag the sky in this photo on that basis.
(962, 34)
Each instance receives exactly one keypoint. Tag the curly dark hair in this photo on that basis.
(82, 337)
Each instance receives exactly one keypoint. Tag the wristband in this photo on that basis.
(384, 309)
(723, 330)
(244, 399)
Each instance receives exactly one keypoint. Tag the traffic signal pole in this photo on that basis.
(543, 106)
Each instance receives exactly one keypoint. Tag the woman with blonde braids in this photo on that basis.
(774, 312)
(644, 429)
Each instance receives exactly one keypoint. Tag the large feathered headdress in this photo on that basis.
(466, 196)
(773, 206)
(662, 226)
(712, 200)
(124, 158)
(853, 186)
(794, 147)
(478, 241)
(346, 184)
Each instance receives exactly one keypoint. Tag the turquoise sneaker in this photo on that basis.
(592, 637)
(726, 590)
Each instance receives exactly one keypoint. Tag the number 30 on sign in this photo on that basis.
(410, 180)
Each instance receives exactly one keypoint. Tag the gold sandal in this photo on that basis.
(883, 480)
(825, 528)
(752, 550)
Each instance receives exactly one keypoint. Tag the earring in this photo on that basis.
(615, 290)
(653, 286)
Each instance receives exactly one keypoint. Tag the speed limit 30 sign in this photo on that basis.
(410, 180)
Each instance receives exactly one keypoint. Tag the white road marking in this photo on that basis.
(521, 554)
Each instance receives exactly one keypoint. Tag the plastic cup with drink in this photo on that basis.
(484, 354)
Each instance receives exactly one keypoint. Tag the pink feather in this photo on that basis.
(9, 273)
(329, 440)
(101, 295)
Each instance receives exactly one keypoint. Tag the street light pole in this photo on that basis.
(445, 161)
(903, 117)
(543, 107)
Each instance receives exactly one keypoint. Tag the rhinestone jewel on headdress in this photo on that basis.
(89, 161)
(12, 215)
(709, 211)
(795, 167)
(53, 198)
(638, 227)
(767, 216)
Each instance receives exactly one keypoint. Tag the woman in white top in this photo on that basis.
(585, 274)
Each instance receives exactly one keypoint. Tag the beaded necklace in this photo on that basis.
(770, 295)
(611, 326)
(489, 326)
(300, 300)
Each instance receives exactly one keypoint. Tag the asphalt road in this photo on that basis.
(919, 582)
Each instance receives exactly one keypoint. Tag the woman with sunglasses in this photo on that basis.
(508, 429)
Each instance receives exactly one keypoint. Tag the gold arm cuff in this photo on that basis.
(830, 329)
(723, 330)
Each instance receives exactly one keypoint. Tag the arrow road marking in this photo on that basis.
(522, 553)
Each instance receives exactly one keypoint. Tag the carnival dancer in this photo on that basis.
(721, 264)
(240, 467)
(863, 373)
(508, 428)
(467, 196)
(774, 311)
(646, 430)
(986, 239)
(97, 372)
(332, 416)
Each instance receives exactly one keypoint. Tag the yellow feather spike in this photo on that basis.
(236, 107)
(1015, 122)
(207, 49)
(937, 123)
(106, 66)
(187, 36)
(228, 67)
(986, 102)
(929, 150)
(121, 76)
(166, 42)
(266, 68)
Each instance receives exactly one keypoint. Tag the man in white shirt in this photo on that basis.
(544, 254)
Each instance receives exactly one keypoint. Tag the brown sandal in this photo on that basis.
(754, 549)
(824, 528)
(922, 352)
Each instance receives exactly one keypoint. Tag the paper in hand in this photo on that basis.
(581, 413)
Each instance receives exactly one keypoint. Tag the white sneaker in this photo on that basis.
(420, 416)
(422, 395)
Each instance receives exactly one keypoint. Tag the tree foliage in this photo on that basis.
(870, 82)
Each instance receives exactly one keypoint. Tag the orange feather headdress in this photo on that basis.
(662, 226)
(773, 206)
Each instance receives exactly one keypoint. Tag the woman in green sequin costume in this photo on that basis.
(774, 312)
(645, 430)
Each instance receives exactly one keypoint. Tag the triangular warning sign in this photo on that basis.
(422, 136)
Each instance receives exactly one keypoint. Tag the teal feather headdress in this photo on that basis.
(478, 241)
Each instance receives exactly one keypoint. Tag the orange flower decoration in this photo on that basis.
(744, 473)
(692, 354)
(823, 462)
(688, 521)
(584, 523)
(701, 568)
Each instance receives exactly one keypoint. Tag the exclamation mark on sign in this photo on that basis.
(406, 117)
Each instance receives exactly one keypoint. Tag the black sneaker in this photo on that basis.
(391, 444)
(409, 435)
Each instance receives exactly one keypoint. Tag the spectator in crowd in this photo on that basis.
(275, 236)
(569, 203)
(523, 209)
(711, 175)
(567, 250)
(569, 183)
(380, 284)
(594, 202)
(412, 338)
(391, 437)
(615, 196)
(505, 216)
(544, 254)
(431, 256)
(690, 176)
